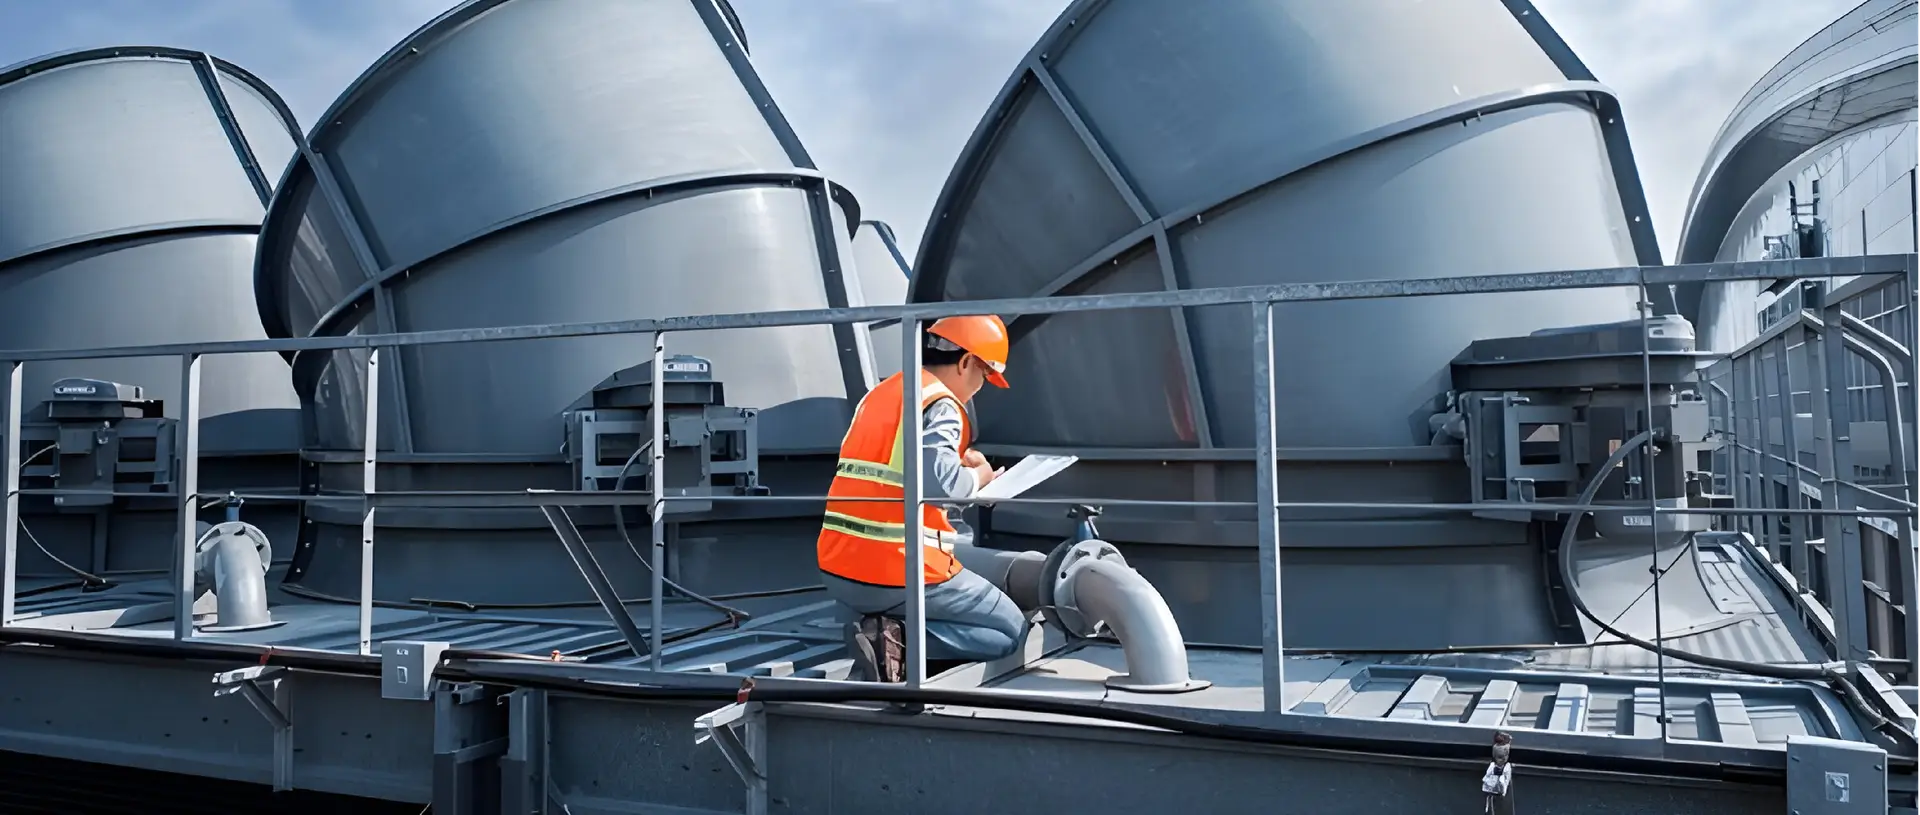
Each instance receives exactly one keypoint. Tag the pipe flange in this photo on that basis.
(204, 554)
(1056, 591)
(210, 537)
(1126, 683)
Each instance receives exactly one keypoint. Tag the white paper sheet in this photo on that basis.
(1025, 476)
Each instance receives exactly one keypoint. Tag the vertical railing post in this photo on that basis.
(657, 558)
(10, 559)
(1273, 655)
(1799, 527)
(1652, 484)
(1765, 526)
(1735, 428)
(1846, 589)
(187, 490)
(911, 463)
(369, 460)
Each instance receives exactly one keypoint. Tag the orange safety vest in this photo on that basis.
(865, 541)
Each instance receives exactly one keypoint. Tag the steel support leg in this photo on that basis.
(596, 578)
(523, 769)
(739, 731)
(469, 730)
(274, 702)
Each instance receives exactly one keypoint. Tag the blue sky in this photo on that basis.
(885, 92)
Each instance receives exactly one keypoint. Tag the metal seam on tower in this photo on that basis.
(209, 74)
(336, 318)
(1626, 173)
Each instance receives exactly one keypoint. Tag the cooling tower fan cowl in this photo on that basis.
(517, 163)
(133, 181)
(1144, 146)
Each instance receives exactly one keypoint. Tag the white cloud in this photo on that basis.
(1679, 68)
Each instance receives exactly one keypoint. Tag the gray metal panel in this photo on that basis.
(110, 145)
(1143, 146)
(516, 162)
(117, 175)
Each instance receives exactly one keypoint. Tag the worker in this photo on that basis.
(862, 545)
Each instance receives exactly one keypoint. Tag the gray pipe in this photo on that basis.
(231, 559)
(1113, 593)
(1016, 573)
(1095, 587)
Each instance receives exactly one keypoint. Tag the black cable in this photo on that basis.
(620, 523)
(89, 579)
(1567, 542)
(1657, 576)
(1832, 674)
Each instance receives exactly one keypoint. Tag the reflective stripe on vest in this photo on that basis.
(865, 541)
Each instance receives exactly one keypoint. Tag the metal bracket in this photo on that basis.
(739, 730)
(274, 708)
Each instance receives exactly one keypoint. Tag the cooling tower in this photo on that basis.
(132, 185)
(1143, 146)
(519, 162)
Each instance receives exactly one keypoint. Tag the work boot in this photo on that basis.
(877, 645)
(892, 655)
(866, 668)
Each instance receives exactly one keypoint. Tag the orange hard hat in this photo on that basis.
(983, 336)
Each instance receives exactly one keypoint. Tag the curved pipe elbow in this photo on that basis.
(233, 562)
(1156, 654)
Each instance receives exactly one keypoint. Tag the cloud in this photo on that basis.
(885, 93)
(1679, 68)
(307, 50)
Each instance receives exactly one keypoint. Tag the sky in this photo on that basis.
(884, 93)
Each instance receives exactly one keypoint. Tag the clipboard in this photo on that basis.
(1024, 476)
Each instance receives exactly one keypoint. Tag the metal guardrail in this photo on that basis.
(1861, 573)
(1259, 300)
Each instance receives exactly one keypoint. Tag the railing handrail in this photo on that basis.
(1608, 277)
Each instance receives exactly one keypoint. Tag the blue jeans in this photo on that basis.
(968, 618)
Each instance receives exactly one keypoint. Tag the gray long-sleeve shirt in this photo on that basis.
(942, 475)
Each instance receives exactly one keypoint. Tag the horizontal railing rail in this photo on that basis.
(1259, 300)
